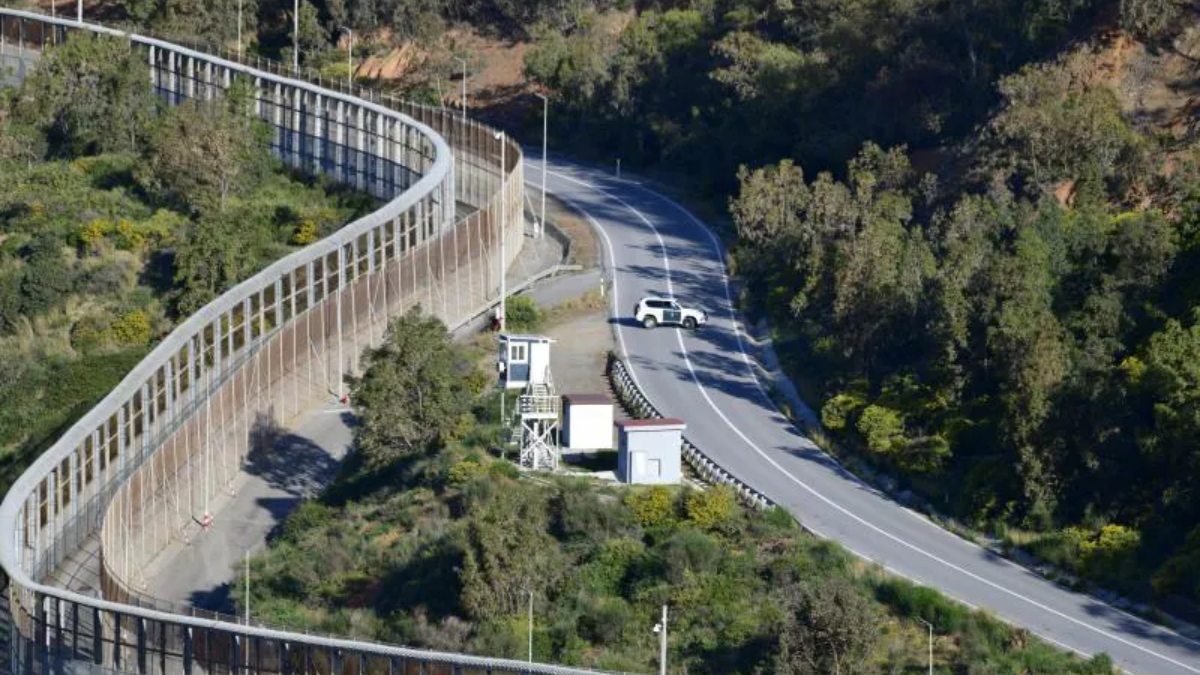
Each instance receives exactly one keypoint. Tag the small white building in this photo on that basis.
(649, 452)
(587, 422)
(524, 360)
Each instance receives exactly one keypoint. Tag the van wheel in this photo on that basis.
(689, 323)
(649, 321)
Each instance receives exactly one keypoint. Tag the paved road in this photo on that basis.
(301, 461)
(705, 377)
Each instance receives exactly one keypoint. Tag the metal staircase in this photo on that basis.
(536, 428)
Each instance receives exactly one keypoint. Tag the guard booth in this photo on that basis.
(524, 360)
(524, 363)
(650, 452)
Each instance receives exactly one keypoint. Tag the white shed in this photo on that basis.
(524, 360)
(587, 422)
(649, 452)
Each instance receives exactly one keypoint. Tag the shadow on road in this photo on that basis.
(288, 462)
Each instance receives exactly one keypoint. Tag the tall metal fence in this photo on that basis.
(142, 467)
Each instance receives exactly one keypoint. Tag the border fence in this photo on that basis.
(140, 469)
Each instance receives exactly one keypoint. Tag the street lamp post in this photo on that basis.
(930, 643)
(661, 629)
(296, 36)
(503, 218)
(79, 11)
(545, 128)
(350, 59)
(239, 31)
(247, 587)
(531, 626)
(464, 86)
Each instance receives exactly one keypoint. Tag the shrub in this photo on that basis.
(712, 508)
(779, 518)
(925, 454)
(307, 517)
(522, 314)
(1110, 553)
(1177, 574)
(131, 328)
(306, 232)
(463, 472)
(838, 411)
(89, 332)
(89, 235)
(882, 429)
(579, 513)
(604, 620)
(912, 601)
(606, 571)
(503, 470)
(688, 550)
(652, 506)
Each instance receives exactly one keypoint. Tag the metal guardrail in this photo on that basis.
(266, 346)
(637, 403)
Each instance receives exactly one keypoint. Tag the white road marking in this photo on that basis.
(794, 479)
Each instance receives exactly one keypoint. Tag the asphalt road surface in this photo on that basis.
(705, 378)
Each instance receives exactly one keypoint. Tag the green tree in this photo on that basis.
(1151, 20)
(90, 94)
(882, 428)
(508, 552)
(46, 279)
(829, 628)
(213, 21)
(1055, 127)
(837, 412)
(201, 153)
(413, 389)
(218, 250)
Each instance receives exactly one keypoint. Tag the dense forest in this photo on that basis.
(978, 254)
(428, 538)
(114, 225)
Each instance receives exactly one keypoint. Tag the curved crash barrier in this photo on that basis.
(141, 469)
(637, 403)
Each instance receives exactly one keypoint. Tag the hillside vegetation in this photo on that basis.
(115, 222)
(974, 226)
(428, 539)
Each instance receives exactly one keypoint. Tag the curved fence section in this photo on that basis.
(143, 467)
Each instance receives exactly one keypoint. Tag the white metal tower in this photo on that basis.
(538, 409)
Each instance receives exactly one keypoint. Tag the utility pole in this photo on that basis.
(350, 51)
(79, 11)
(296, 36)
(930, 643)
(545, 128)
(531, 626)
(661, 629)
(464, 87)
